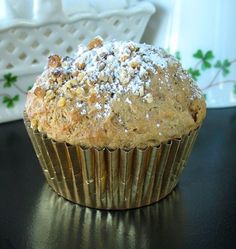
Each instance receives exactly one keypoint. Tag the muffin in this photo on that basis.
(113, 125)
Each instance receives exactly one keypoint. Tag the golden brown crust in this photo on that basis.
(54, 61)
(96, 42)
(70, 104)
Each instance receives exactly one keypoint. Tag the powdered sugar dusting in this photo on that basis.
(120, 67)
(127, 100)
(109, 69)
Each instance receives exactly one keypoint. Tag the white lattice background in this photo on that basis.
(24, 46)
(24, 49)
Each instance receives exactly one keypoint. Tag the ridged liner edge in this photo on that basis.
(111, 179)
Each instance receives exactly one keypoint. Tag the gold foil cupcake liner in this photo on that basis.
(111, 179)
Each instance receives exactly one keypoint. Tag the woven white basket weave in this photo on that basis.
(25, 46)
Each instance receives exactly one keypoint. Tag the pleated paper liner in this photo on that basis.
(111, 179)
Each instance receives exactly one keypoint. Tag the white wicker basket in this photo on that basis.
(25, 46)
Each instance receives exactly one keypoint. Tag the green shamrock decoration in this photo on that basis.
(205, 58)
(29, 87)
(204, 63)
(10, 102)
(195, 73)
(9, 80)
(224, 66)
(177, 55)
(234, 88)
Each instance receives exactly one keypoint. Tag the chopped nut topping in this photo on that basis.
(51, 81)
(134, 64)
(71, 83)
(60, 81)
(96, 42)
(132, 46)
(40, 129)
(80, 76)
(103, 77)
(124, 58)
(54, 61)
(61, 102)
(49, 95)
(101, 73)
(92, 91)
(110, 79)
(34, 123)
(88, 81)
(68, 84)
(80, 65)
(39, 92)
(71, 94)
(93, 95)
(80, 91)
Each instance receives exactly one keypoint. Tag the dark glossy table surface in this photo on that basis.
(200, 213)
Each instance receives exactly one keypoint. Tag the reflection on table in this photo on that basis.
(55, 219)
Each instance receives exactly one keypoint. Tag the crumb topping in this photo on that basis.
(102, 73)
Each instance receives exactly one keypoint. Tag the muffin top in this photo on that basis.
(115, 94)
